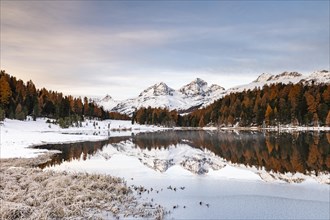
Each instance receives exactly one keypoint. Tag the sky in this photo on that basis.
(94, 48)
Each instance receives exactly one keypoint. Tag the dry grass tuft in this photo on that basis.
(30, 193)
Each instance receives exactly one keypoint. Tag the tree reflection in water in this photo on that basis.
(281, 152)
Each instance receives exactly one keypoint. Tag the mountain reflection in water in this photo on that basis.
(283, 152)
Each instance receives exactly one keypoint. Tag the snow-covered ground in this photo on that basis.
(17, 136)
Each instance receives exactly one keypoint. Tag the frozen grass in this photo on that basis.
(30, 193)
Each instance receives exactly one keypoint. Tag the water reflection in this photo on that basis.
(77, 151)
(284, 152)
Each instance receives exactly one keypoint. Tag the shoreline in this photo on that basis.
(279, 129)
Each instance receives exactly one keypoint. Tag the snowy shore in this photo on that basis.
(17, 137)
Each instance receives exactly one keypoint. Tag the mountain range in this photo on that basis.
(198, 94)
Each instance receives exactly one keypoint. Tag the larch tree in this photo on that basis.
(201, 122)
(5, 91)
(327, 121)
(268, 115)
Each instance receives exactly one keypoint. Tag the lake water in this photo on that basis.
(195, 164)
(283, 152)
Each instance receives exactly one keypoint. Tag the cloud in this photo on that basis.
(106, 46)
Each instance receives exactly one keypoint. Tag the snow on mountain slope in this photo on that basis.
(173, 101)
(198, 94)
(285, 76)
(189, 96)
(157, 90)
(195, 88)
(317, 77)
(107, 102)
(263, 77)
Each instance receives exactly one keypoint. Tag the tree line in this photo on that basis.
(155, 116)
(19, 100)
(271, 105)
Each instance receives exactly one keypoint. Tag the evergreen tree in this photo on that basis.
(2, 114)
(19, 113)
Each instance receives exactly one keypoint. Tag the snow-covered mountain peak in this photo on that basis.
(285, 75)
(196, 87)
(263, 77)
(107, 102)
(199, 81)
(159, 89)
(214, 88)
(107, 98)
(267, 77)
(322, 76)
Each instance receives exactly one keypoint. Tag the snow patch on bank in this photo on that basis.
(234, 173)
(17, 136)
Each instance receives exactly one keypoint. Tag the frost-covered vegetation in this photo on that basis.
(30, 193)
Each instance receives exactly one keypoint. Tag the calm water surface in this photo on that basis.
(284, 152)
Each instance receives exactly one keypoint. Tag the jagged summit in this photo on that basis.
(320, 73)
(215, 88)
(107, 98)
(107, 102)
(199, 82)
(321, 76)
(285, 75)
(263, 77)
(267, 77)
(158, 89)
(196, 87)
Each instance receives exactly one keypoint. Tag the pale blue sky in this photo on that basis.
(121, 47)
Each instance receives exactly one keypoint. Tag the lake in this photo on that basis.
(283, 152)
(205, 168)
